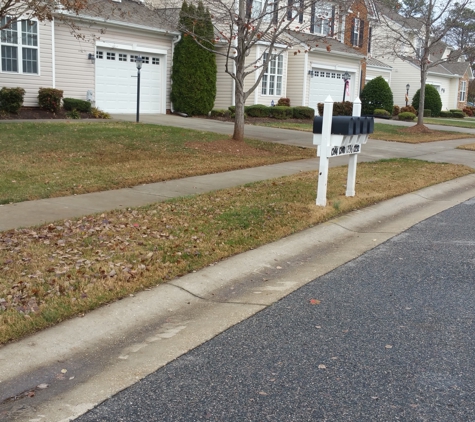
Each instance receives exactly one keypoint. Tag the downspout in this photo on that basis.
(305, 78)
(53, 55)
(174, 42)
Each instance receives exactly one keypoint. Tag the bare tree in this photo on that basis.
(242, 25)
(415, 30)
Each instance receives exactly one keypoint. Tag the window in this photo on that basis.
(122, 57)
(322, 20)
(357, 31)
(255, 9)
(272, 79)
(99, 55)
(155, 60)
(463, 90)
(19, 45)
(293, 8)
(110, 56)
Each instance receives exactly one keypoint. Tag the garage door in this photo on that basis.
(324, 83)
(116, 82)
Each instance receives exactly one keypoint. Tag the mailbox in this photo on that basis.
(346, 125)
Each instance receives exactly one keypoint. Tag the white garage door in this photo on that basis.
(324, 83)
(116, 81)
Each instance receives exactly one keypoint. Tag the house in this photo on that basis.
(323, 45)
(97, 64)
(447, 72)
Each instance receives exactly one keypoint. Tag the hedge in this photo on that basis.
(11, 99)
(75, 104)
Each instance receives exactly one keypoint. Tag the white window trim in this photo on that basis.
(20, 47)
(463, 91)
(276, 75)
(356, 32)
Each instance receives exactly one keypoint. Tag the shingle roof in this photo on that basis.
(370, 61)
(132, 12)
(316, 42)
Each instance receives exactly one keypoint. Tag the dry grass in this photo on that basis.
(468, 147)
(44, 160)
(56, 271)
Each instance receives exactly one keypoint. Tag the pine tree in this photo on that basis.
(194, 67)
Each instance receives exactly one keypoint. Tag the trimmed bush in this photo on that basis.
(396, 110)
(220, 113)
(50, 99)
(339, 108)
(301, 112)
(455, 110)
(259, 110)
(376, 94)
(74, 104)
(468, 111)
(458, 114)
(194, 67)
(407, 116)
(445, 114)
(409, 109)
(282, 112)
(432, 100)
(427, 112)
(284, 102)
(11, 99)
(381, 112)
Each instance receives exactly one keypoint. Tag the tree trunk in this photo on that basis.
(240, 98)
(422, 96)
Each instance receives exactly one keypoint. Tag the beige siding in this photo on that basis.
(224, 85)
(374, 72)
(296, 76)
(75, 73)
(31, 83)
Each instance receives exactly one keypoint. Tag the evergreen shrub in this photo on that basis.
(11, 99)
(259, 110)
(407, 116)
(432, 100)
(194, 68)
(458, 114)
(282, 112)
(301, 112)
(445, 114)
(381, 112)
(427, 112)
(220, 113)
(339, 108)
(376, 95)
(75, 104)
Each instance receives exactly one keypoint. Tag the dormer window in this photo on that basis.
(322, 20)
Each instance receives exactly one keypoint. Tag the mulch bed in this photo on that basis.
(35, 113)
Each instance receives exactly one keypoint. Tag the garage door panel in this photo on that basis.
(324, 83)
(116, 82)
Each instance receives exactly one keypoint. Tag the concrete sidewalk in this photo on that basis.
(47, 210)
(114, 346)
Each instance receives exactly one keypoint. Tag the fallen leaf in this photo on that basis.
(63, 371)
(315, 302)
(42, 386)
(388, 346)
(322, 366)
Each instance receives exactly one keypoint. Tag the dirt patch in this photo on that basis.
(417, 129)
(36, 113)
(228, 147)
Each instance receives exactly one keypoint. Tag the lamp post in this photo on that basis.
(407, 93)
(346, 77)
(138, 63)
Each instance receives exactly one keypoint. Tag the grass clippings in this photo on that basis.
(385, 132)
(45, 160)
(468, 147)
(56, 271)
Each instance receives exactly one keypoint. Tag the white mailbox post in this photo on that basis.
(337, 136)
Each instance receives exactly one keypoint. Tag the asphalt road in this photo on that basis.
(388, 336)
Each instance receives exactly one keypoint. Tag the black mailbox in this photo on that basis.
(346, 125)
(367, 124)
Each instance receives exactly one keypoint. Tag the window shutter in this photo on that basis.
(302, 5)
(360, 44)
(248, 9)
(289, 9)
(312, 18)
(275, 15)
(353, 31)
(332, 23)
(370, 34)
